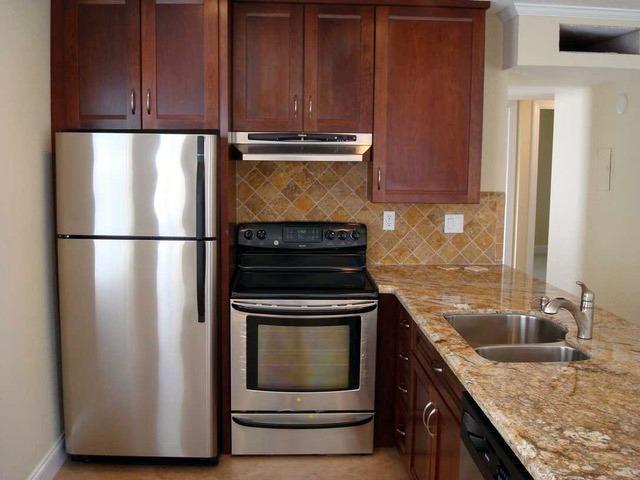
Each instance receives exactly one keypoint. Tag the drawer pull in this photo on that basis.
(437, 369)
(403, 389)
(404, 357)
(401, 432)
(405, 324)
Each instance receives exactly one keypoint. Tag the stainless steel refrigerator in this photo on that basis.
(137, 288)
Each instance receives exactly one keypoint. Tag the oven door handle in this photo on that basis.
(299, 310)
(250, 422)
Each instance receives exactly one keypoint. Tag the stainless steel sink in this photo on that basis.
(505, 329)
(509, 337)
(532, 353)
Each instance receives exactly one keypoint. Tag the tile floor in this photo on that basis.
(384, 464)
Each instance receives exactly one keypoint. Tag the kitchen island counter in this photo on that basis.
(568, 421)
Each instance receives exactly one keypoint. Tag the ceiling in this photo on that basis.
(497, 5)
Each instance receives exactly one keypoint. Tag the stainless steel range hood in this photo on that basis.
(310, 147)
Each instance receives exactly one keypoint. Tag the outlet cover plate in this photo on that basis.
(454, 223)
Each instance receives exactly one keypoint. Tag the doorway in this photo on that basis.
(529, 185)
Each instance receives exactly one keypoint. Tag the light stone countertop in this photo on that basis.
(563, 420)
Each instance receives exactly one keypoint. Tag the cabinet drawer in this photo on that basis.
(442, 376)
(402, 368)
(403, 339)
(402, 391)
(400, 426)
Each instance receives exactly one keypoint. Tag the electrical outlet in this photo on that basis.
(389, 221)
(454, 223)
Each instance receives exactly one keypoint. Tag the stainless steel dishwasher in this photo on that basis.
(484, 455)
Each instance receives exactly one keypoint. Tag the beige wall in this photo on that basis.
(534, 41)
(613, 229)
(543, 194)
(569, 175)
(29, 409)
(523, 175)
(494, 144)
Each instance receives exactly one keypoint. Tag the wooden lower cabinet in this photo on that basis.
(421, 442)
(434, 430)
(423, 418)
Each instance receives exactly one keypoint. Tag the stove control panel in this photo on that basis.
(302, 235)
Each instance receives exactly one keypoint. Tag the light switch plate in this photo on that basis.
(389, 220)
(454, 223)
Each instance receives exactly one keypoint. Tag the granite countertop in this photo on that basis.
(563, 420)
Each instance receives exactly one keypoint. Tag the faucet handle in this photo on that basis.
(586, 295)
(543, 302)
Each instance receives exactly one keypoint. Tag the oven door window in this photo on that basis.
(303, 354)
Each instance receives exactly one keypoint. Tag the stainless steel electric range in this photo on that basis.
(303, 340)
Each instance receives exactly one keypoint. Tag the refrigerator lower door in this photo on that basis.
(137, 354)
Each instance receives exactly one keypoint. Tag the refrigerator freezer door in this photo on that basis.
(136, 360)
(135, 184)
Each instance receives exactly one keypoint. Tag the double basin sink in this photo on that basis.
(515, 338)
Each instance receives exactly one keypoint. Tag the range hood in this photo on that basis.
(310, 147)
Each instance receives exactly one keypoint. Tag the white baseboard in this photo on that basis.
(540, 249)
(51, 462)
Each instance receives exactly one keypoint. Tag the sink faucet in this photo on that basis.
(582, 315)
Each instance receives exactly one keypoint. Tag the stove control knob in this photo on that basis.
(355, 235)
(329, 234)
(261, 234)
(248, 234)
(342, 235)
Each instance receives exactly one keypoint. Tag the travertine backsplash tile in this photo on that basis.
(319, 191)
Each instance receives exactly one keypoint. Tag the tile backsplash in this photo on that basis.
(333, 191)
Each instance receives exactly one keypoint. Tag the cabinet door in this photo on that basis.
(267, 67)
(338, 68)
(180, 64)
(444, 425)
(421, 447)
(102, 64)
(428, 105)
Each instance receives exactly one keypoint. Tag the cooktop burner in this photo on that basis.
(302, 260)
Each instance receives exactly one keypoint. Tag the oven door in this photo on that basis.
(303, 355)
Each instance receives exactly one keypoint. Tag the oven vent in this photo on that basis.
(599, 39)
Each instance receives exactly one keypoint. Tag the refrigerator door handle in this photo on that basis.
(200, 190)
(201, 252)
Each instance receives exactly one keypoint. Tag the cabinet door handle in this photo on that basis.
(310, 105)
(433, 412)
(404, 357)
(132, 101)
(295, 106)
(424, 412)
(401, 432)
(379, 178)
(148, 102)
(403, 389)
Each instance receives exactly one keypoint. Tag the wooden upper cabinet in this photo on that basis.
(267, 67)
(338, 68)
(180, 64)
(102, 64)
(429, 73)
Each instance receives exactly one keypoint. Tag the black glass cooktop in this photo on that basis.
(303, 284)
